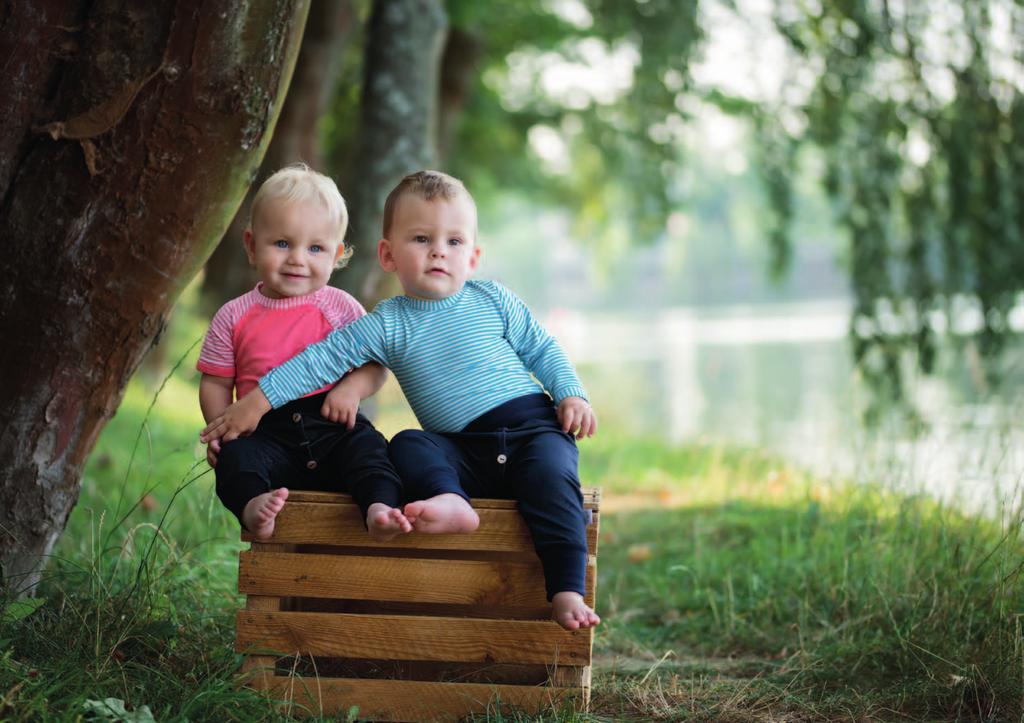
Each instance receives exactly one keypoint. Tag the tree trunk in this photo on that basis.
(132, 130)
(227, 273)
(462, 52)
(396, 129)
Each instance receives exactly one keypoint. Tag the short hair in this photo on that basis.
(428, 185)
(298, 183)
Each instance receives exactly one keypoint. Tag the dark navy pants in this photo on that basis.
(515, 451)
(295, 447)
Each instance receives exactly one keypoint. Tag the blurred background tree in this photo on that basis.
(911, 111)
(918, 110)
(915, 109)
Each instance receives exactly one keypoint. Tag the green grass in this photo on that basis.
(732, 588)
(897, 604)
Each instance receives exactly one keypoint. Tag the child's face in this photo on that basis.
(431, 245)
(293, 247)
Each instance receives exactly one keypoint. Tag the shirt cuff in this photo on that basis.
(215, 371)
(571, 391)
(276, 400)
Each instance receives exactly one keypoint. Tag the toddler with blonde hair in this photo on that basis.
(319, 441)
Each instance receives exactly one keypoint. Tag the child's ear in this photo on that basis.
(385, 257)
(474, 258)
(250, 246)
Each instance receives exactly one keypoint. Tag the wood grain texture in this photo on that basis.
(383, 578)
(407, 700)
(569, 676)
(260, 668)
(413, 637)
(411, 615)
(591, 499)
(307, 521)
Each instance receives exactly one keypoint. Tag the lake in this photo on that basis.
(781, 376)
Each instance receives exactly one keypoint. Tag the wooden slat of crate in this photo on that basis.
(426, 670)
(260, 668)
(413, 637)
(591, 499)
(340, 523)
(350, 577)
(570, 676)
(384, 578)
(502, 578)
(408, 700)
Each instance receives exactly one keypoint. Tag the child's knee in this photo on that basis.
(408, 437)
(231, 458)
(410, 445)
(551, 467)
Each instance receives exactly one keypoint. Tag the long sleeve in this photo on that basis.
(539, 351)
(327, 361)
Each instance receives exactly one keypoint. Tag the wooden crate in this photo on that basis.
(424, 627)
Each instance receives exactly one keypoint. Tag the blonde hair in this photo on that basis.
(428, 185)
(298, 183)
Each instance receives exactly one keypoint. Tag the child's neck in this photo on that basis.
(261, 288)
(429, 299)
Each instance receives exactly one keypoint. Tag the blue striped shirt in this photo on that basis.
(455, 358)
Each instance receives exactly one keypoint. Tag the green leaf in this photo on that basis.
(21, 609)
(113, 709)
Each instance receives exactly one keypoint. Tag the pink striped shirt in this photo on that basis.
(252, 334)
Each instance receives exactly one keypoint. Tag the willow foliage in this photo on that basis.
(918, 109)
(915, 105)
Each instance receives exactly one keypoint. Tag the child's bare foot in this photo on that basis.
(261, 512)
(569, 611)
(443, 514)
(384, 523)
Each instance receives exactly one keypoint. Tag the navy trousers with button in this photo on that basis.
(295, 447)
(515, 451)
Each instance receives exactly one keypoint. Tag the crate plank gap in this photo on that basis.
(423, 627)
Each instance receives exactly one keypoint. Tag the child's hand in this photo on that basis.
(577, 417)
(341, 405)
(212, 450)
(238, 420)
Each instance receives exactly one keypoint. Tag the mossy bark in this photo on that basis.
(134, 129)
(296, 138)
(397, 127)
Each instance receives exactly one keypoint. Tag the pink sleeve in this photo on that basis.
(340, 308)
(217, 357)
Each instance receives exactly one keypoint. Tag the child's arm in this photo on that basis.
(322, 363)
(545, 359)
(342, 403)
(215, 395)
(576, 415)
(238, 420)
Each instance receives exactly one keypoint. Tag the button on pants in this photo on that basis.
(295, 447)
(529, 460)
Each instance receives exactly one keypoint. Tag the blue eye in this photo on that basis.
(454, 242)
(421, 239)
(316, 248)
(281, 243)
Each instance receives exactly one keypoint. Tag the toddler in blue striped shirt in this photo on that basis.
(500, 405)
